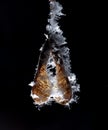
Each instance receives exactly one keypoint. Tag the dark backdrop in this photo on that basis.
(22, 28)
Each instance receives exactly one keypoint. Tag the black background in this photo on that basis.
(22, 28)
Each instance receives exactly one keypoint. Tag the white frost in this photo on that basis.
(32, 84)
(34, 96)
(46, 36)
